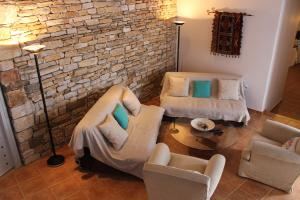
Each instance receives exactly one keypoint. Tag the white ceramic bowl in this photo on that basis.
(196, 124)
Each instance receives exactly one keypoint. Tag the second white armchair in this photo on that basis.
(171, 176)
(266, 161)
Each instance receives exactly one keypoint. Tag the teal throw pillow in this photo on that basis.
(121, 116)
(202, 89)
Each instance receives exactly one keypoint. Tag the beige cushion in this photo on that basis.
(179, 87)
(113, 132)
(131, 102)
(229, 89)
(188, 163)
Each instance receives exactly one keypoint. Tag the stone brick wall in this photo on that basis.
(91, 45)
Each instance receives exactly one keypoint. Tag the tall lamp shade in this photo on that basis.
(178, 24)
(55, 160)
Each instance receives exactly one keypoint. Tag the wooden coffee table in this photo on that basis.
(193, 138)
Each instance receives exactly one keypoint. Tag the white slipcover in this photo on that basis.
(143, 130)
(212, 108)
(171, 176)
(265, 160)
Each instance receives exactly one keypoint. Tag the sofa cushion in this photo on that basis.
(131, 102)
(143, 131)
(229, 89)
(212, 108)
(113, 132)
(202, 89)
(179, 87)
(121, 116)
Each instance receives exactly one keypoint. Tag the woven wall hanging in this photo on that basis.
(227, 34)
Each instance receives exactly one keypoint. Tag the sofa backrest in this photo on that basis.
(105, 105)
(192, 76)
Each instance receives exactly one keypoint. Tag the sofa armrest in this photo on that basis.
(214, 170)
(274, 152)
(279, 132)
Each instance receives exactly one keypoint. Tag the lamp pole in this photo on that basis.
(55, 160)
(178, 25)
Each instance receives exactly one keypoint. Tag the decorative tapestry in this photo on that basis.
(227, 34)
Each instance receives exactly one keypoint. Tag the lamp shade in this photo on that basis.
(179, 23)
(34, 48)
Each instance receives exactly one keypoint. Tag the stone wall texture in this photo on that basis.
(90, 46)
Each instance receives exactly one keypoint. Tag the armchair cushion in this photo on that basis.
(188, 162)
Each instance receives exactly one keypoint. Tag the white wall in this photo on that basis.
(283, 56)
(259, 36)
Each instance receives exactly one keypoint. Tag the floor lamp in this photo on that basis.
(178, 24)
(55, 160)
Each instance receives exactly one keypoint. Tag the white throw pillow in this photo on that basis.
(113, 132)
(131, 102)
(179, 87)
(229, 89)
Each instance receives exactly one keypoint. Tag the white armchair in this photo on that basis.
(171, 176)
(266, 161)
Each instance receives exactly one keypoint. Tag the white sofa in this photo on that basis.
(212, 108)
(143, 130)
(265, 160)
(171, 176)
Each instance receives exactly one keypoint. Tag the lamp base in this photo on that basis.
(173, 130)
(56, 161)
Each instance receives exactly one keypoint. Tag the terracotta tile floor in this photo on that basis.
(37, 181)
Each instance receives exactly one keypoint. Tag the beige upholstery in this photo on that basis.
(264, 159)
(142, 130)
(170, 176)
(212, 108)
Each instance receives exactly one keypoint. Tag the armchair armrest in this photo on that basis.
(275, 152)
(214, 170)
(279, 132)
(161, 155)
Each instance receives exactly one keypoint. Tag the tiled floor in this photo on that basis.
(289, 106)
(37, 181)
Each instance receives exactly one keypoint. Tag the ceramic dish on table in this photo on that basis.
(203, 124)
